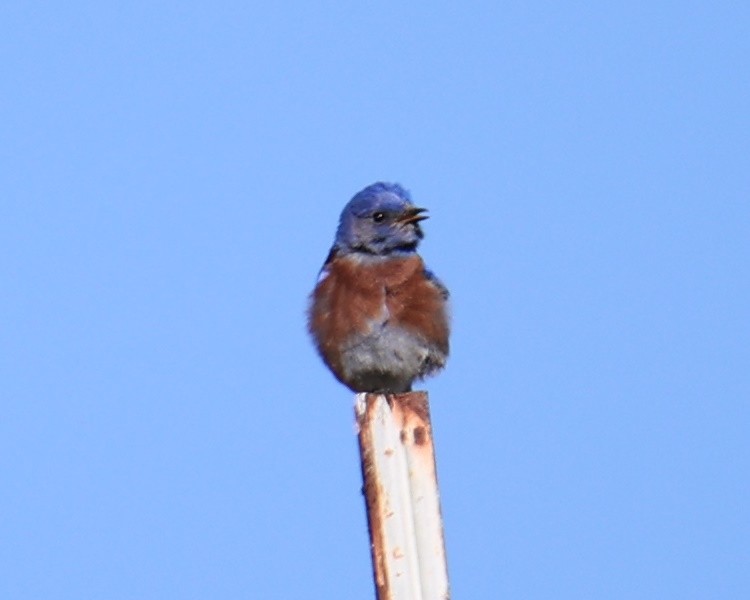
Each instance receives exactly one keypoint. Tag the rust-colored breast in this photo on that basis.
(356, 294)
(417, 304)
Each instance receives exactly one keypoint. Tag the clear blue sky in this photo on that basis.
(171, 177)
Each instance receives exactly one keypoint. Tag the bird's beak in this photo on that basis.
(412, 215)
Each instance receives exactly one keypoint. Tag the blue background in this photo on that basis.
(171, 178)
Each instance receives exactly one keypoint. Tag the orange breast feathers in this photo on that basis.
(356, 295)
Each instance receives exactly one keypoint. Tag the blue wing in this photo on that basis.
(438, 284)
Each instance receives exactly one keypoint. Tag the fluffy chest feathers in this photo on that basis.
(379, 325)
(357, 296)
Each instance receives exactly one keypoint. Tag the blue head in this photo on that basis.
(380, 220)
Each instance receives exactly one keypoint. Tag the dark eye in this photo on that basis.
(378, 217)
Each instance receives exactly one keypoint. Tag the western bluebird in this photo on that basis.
(378, 317)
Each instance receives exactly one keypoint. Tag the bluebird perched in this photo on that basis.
(378, 317)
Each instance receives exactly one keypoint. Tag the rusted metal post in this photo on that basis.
(401, 493)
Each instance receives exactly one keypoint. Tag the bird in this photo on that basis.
(378, 317)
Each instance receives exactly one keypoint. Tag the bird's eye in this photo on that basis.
(378, 217)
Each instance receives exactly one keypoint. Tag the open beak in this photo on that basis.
(412, 215)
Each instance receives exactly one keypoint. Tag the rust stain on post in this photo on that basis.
(371, 490)
(401, 495)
